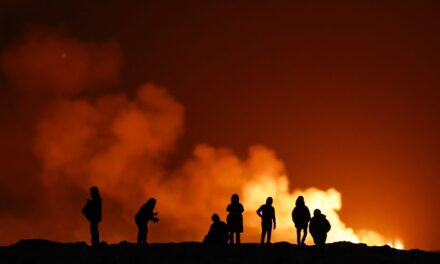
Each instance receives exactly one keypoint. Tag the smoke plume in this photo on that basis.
(120, 144)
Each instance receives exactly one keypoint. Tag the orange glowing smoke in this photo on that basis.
(218, 173)
(329, 202)
(120, 144)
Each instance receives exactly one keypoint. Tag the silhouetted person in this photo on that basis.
(301, 218)
(235, 218)
(267, 214)
(319, 227)
(146, 213)
(93, 212)
(218, 232)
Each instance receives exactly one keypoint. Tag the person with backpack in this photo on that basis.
(301, 218)
(93, 212)
(235, 219)
(267, 214)
(319, 227)
(218, 232)
(144, 215)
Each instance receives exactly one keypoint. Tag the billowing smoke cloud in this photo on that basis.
(120, 144)
(204, 185)
(115, 143)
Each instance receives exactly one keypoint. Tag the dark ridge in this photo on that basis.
(44, 251)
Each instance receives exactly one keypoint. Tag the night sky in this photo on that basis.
(346, 93)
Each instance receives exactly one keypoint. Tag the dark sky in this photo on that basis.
(346, 92)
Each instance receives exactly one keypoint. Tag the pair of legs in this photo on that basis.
(142, 233)
(266, 230)
(298, 235)
(231, 237)
(94, 231)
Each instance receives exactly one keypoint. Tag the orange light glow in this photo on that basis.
(329, 202)
(120, 141)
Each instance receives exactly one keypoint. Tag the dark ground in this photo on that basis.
(42, 251)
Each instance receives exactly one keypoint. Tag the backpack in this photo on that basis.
(87, 210)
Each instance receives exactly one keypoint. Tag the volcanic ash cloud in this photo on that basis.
(120, 143)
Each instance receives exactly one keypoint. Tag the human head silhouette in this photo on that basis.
(151, 202)
(299, 201)
(269, 201)
(317, 212)
(235, 198)
(215, 218)
(94, 193)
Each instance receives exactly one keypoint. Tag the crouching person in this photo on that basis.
(218, 232)
(319, 227)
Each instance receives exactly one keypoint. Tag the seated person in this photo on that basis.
(218, 232)
(319, 227)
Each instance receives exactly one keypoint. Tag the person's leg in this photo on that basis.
(298, 236)
(320, 240)
(139, 236)
(263, 233)
(94, 232)
(304, 236)
(269, 233)
(237, 238)
(146, 234)
(97, 234)
(231, 237)
(142, 233)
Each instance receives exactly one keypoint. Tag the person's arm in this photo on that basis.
(308, 214)
(154, 217)
(259, 211)
(312, 227)
(274, 220)
(293, 215)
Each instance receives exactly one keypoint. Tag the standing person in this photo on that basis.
(235, 218)
(93, 212)
(301, 218)
(145, 214)
(319, 227)
(267, 214)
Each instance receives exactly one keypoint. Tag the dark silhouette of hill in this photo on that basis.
(43, 251)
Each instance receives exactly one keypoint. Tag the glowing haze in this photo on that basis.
(120, 142)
